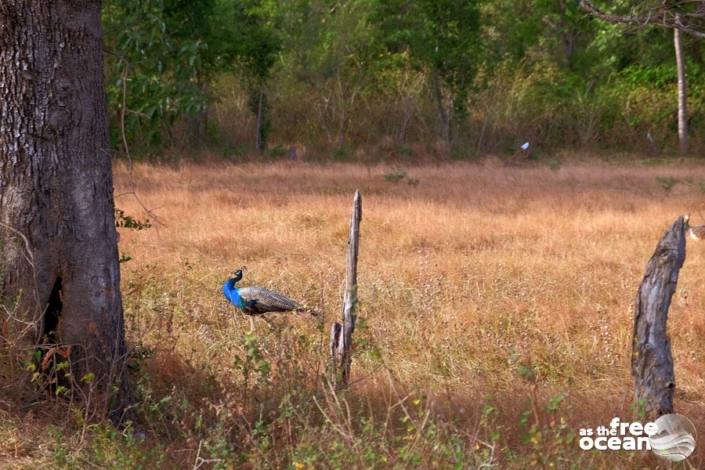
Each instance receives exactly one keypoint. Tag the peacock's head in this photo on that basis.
(237, 275)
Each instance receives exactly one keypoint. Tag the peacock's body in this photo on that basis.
(257, 300)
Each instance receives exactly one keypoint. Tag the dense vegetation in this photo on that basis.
(342, 78)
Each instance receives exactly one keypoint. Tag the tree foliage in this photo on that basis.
(162, 58)
(441, 38)
(479, 75)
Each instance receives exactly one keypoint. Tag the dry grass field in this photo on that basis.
(495, 316)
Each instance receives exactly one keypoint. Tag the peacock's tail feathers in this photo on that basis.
(311, 311)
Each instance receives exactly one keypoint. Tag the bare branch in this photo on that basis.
(662, 17)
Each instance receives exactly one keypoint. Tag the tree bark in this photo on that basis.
(682, 92)
(197, 124)
(58, 241)
(652, 362)
(444, 113)
(408, 112)
(259, 141)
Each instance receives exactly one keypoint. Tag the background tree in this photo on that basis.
(163, 57)
(58, 242)
(257, 44)
(676, 15)
(441, 37)
(325, 62)
(399, 77)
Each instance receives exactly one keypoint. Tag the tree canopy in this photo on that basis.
(399, 76)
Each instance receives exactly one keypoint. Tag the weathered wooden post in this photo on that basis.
(652, 363)
(341, 335)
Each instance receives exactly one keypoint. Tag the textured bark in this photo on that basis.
(408, 112)
(59, 242)
(258, 131)
(444, 110)
(652, 363)
(341, 335)
(682, 93)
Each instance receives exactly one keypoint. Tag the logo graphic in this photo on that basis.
(675, 438)
(671, 437)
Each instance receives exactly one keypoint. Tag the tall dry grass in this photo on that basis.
(495, 315)
(467, 278)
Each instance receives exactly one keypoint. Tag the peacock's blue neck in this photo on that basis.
(232, 294)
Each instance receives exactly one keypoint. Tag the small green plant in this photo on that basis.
(60, 449)
(527, 372)
(277, 151)
(341, 153)
(553, 164)
(395, 175)
(232, 151)
(88, 377)
(554, 402)
(549, 437)
(252, 362)
(667, 182)
(639, 409)
(405, 151)
(127, 221)
(460, 152)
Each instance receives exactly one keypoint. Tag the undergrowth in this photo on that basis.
(494, 323)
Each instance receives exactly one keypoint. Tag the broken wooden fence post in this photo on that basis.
(341, 335)
(652, 363)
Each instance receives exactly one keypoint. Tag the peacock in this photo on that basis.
(258, 300)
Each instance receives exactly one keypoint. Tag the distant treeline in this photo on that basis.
(375, 78)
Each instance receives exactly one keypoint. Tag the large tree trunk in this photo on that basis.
(682, 92)
(58, 242)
